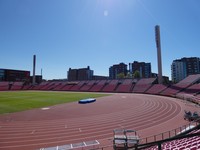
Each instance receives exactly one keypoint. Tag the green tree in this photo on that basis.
(120, 75)
(136, 74)
(128, 75)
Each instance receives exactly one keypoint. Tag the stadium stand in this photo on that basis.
(98, 86)
(40, 86)
(87, 86)
(4, 86)
(187, 89)
(27, 87)
(48, 86)
(60, 86)
(125, 86)
(54, 85)
(110, 86)
(185, 141)
(143, 85)
(194, 89)
(68, 86)
(183, 84)
(17, 86)
(156, 89)
(76, 85)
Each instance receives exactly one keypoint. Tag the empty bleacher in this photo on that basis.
(187, 143)
(97, 87)
(143, 85)
(156, 89)
(193, 89)
(41, 85)
(125, 86)
(60, 86)
(4, 86)
(48, 86)
(88, 85)
(188, 88)
(54, 85)
(110, 86)
(27, 87)
(17, 86)
(183, 84)
(76, 85)
(68, 86)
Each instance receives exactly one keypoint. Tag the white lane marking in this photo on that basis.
(80, 130)
(45, 108)
(33, 132)
(121, 126)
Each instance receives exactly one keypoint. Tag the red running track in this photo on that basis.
(73, 123)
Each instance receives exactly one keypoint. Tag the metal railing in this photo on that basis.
(158, 139)
(168, 134)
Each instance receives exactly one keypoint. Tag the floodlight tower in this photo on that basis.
(159, 59)
(34, 62)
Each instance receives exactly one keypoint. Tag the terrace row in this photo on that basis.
(188, 88)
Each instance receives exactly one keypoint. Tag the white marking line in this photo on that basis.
(57, 148)
(33, 132)
(84, 144)
(80, 130)
(121, 126)
(97, 142)
(45, 108)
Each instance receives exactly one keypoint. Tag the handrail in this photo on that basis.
(169, 134)
(159, 142)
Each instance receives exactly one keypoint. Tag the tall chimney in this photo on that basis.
(34, 62)
(158, 45)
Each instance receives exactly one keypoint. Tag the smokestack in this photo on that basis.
(34, 62)
(158, 45)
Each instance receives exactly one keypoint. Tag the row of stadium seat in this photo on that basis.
(188, 88)
(189, 143)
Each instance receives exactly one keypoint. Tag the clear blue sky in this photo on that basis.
(95, 33)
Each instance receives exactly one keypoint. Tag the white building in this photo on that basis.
(178, 70)
(181, 68)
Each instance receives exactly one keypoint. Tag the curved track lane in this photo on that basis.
(74, 123)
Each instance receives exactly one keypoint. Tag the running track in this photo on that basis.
(73, 123)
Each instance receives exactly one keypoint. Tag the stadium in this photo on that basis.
(134, 108)
(155, 112)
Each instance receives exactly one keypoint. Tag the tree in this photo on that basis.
(136, 74)
(120, 75)
(128, 75)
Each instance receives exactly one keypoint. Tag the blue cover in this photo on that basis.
(88, 100)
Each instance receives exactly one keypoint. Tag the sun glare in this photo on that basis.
(105, 13)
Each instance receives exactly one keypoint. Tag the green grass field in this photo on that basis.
(24, 100)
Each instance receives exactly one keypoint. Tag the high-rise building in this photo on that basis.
(181, 68)
(117, 69)
(80, 74)
(14, 75)
(178, 70)
(143, 68)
